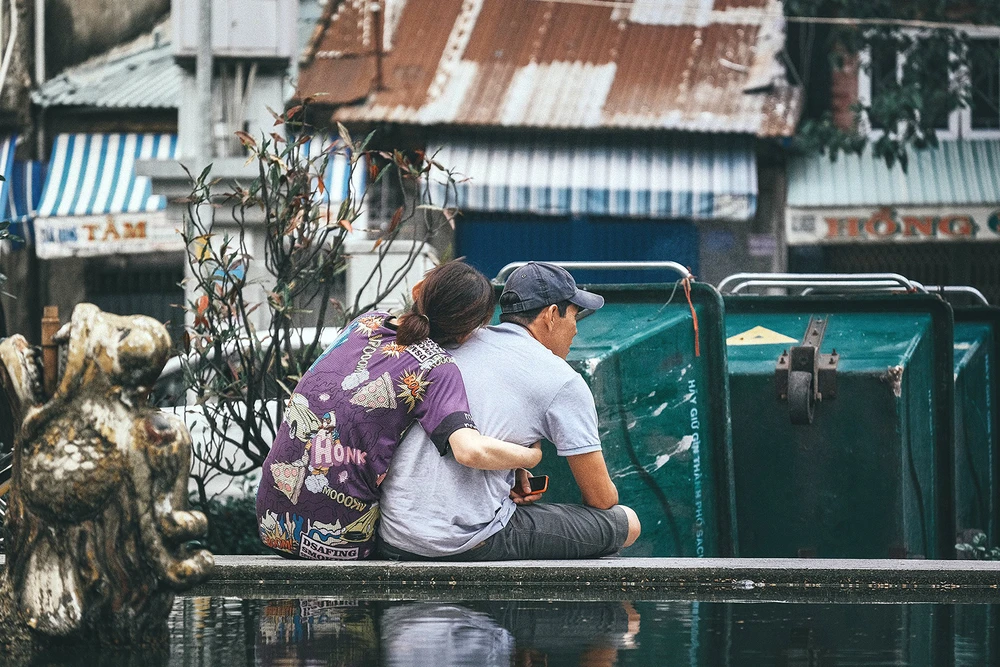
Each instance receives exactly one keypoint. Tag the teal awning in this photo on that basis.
(957, 173)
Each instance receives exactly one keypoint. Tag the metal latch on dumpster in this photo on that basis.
(803, 376)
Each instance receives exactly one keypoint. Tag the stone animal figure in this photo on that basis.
(98, 526)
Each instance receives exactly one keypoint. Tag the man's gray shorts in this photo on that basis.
(548, 531)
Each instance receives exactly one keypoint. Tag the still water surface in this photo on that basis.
(218, 631)
(325, 631)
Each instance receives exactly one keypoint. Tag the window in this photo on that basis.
(884, 80)
(885, 69)
(935, 100)
(984, 77)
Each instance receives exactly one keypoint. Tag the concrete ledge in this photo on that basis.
(615, 578)
(708, 579)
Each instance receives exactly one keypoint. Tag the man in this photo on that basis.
(520, 389)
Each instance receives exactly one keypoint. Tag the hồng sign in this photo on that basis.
(808, 226)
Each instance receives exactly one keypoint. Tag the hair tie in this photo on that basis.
(424, 318)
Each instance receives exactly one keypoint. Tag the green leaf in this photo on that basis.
(364, 144)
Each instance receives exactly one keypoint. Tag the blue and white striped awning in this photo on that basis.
(686, 176)
(93, 203)
(94, 174)
(7, 145)
(25, 191)
(25, 182)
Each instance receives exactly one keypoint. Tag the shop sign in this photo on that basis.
(806, 226)
(97, 235)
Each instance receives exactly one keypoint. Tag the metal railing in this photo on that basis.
(945, 290)
(813, 281)
(680, 269)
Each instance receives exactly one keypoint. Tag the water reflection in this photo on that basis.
(428, 633)
(327, 631)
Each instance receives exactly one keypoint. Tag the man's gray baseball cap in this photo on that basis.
(537, 285)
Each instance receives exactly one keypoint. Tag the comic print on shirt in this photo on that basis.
(318, 496)
(412, 387)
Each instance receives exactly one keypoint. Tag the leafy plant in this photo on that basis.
(973, 546)
(932, 80)
(239, 376)
(232, 525)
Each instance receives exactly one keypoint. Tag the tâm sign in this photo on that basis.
(90, 236)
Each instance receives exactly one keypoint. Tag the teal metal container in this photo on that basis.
(663, 412)
(977, 464)
(977, 448)
(871, 476)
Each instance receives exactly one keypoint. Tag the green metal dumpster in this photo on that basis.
(663, 414)
(977, 443)
(854, 458)
(977, 463)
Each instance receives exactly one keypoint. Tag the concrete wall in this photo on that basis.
(270, 90)
(756, 245)
(78, 29)
(18, 297)
(15, 103)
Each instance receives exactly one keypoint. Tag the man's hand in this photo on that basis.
(521, 493)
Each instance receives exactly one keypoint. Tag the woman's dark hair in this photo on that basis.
(453, 301)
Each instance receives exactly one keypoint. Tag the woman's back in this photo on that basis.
(318, 496)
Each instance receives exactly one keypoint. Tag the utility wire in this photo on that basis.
(762, 13)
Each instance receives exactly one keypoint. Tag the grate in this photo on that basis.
(972, 264)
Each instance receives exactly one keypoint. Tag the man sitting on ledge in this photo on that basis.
(520, 389)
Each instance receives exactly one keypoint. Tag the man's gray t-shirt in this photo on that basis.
(518, 391)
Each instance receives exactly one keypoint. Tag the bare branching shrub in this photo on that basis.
(239, 376)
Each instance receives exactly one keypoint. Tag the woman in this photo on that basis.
(318, 496)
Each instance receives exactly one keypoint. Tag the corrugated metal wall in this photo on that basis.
(489, 241)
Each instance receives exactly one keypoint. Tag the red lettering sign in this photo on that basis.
(956, 225)
(881, 224)
(918, 226)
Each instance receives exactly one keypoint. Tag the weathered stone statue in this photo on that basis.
(97, 527)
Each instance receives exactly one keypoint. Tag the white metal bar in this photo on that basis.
(599, 266)
(818, 279)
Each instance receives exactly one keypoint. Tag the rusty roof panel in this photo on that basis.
(696, 65)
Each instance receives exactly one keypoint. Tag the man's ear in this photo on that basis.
(551, 315)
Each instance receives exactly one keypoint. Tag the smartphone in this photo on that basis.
(539, 483)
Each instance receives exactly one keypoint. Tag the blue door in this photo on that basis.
(489, 241)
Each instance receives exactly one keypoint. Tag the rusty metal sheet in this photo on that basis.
(712, 67)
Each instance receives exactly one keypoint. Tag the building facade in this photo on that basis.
(936, 220)
(577, 132)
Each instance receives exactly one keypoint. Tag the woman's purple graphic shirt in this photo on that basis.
(318, 495)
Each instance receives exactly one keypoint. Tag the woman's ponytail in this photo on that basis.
(452, 301)
(413, 326)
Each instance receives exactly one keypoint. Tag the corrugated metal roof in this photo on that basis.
(138, 75)
(965, 172)
(696, 65)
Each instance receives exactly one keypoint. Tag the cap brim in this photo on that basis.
(585, 299)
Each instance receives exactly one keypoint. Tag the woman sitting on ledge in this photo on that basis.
(318, 496)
